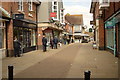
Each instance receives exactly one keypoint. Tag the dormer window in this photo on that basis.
(30, 5)
(20, 5)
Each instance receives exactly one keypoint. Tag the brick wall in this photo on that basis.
(67, 27)
(96, 10)
(114, 6)
(6, 6)
(10, 38)
(100, 35)
(39, 38)
(12, 8)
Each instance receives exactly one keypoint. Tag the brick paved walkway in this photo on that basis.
(102, 64)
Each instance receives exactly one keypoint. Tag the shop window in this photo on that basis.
(2, 35)
(110, 38)
(55, 3)
(2, 38)
(33, 38)
(55, 7)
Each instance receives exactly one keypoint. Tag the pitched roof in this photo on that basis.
(74, 19)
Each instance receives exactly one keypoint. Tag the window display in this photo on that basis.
(2, 35)
(110, 38)
(26, 36)
(1, 38)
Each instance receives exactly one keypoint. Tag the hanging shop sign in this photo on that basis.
(53, 14)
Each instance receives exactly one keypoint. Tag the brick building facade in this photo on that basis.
(21, 22)
(106, 18)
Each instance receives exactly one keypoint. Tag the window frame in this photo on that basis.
(30, 5)
(20, 5)
(2, 30)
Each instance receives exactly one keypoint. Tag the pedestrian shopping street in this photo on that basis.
(68, 61)
(59, 39)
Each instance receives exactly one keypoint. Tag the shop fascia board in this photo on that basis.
(44, 24)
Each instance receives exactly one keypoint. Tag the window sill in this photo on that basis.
(31, 11)
(21, 11)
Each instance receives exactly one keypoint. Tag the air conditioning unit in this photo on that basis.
(104, 4)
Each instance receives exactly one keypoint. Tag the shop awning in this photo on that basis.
(54, 28)
(65, 32)
(80, 34)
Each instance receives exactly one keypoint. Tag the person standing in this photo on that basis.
(44, 43)
(55, 41)
(17, 47)
(51, 42)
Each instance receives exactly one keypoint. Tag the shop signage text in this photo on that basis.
(18, 16)
(53, 14)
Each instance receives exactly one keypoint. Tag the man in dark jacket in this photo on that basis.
(17, 47)
(44, 43)
(55, 41)
(51, 42)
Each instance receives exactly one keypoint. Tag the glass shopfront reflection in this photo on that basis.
(26, 36)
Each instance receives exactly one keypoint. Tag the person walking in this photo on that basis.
(44, 43)
(17, 47)
(55, 41)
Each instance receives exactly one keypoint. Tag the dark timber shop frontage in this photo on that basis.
(25, 31)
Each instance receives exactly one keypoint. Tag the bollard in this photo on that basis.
(87, 75)
(10, 72)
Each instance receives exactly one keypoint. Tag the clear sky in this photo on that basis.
(79, 7)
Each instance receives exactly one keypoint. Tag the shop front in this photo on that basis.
(26, 33)
(52, 32)
(112, 35)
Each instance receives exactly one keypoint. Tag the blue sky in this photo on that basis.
(79, 7)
